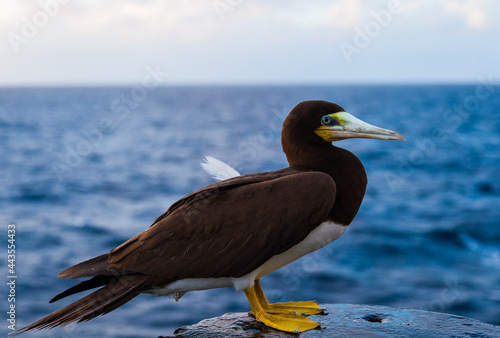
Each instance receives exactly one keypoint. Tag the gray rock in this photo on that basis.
(346, 320)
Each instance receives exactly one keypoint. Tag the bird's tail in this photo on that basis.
(117, 292)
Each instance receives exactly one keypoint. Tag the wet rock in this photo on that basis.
(346, 320)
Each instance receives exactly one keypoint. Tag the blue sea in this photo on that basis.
(84, 169)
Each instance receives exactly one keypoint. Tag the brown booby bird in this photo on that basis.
(234, 232)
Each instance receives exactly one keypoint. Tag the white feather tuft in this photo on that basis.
(217, 169)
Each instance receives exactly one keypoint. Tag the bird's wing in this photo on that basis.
(229, 228)
(225, 185)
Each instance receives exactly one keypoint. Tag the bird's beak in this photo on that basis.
(347, 126)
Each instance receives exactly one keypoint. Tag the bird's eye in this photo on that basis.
(327, 121)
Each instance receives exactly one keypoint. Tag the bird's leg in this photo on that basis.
(280, 321)
(304, 308)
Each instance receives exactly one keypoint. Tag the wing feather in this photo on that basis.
(218, 169)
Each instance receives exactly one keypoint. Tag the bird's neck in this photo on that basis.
(343, 166)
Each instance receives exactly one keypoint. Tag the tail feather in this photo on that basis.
(96, 266)
(116, 293)
(92, 283)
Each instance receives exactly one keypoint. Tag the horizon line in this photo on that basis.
(249, 84)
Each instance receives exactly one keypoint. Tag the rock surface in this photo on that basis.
(349, 321)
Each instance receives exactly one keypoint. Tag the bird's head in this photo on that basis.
(321, 121)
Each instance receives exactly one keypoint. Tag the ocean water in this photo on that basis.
(84, 169)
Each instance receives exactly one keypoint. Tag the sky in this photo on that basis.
(202, 42)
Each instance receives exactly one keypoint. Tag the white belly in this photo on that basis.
(324, 234)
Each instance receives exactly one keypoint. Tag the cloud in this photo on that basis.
(473, 12)
(147, 20)
(345, 13)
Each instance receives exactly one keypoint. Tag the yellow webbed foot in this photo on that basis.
(302, 308)
(281, 316)
(287, 323)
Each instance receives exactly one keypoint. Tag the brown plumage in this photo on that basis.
(229, 228)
